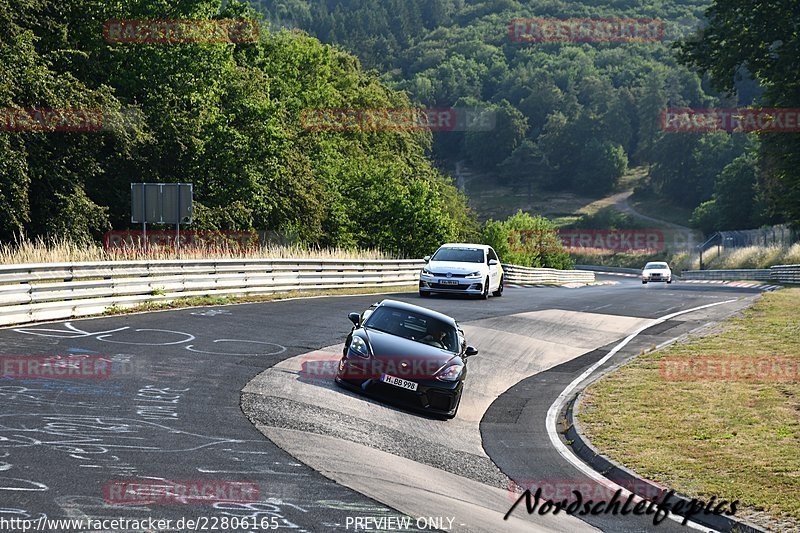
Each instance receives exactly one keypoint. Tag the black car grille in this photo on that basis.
(460, 287)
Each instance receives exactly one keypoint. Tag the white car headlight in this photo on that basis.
(359, 346)
(473, 275)
(426, 272)
(451, 373)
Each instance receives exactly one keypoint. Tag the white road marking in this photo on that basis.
(552, 413)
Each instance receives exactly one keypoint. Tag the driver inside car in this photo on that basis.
(436, 338)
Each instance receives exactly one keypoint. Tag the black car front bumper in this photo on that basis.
(432, 396)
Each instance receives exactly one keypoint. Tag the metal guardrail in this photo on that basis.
(520, 274)
(37, 292)
(54, 291)
(620, 270)
(780, 274)
(755, 274)
(785, 273)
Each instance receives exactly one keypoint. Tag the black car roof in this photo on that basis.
(421, 310)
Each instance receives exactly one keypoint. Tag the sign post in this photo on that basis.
(162, 203)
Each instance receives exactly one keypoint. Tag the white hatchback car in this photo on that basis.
(462, 269)
(656, 271)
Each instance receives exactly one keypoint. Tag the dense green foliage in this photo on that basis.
(571, 116)
(768, 51)
(527, 241)
(222, 116)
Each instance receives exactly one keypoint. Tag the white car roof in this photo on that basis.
(465, 245)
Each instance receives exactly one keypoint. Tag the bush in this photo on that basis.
(527, 241)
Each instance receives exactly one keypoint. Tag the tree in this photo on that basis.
(741, 41)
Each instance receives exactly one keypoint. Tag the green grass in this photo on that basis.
(737, 440)
(661, 209)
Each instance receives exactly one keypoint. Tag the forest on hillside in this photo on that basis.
(223, 116)
(570, 115)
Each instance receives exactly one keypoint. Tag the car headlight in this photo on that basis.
(426, 272)
(359, 346)
(451, 373)
(474, 275)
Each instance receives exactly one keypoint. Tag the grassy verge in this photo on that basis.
(734, 439)
(210, 301)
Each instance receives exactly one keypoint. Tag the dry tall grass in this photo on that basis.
(752, 257)
(65, 251)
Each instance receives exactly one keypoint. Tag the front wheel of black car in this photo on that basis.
(499, 291)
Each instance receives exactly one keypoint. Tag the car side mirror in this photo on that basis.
(471, 350)
(355, 318)
(493, 262)
(427, 258)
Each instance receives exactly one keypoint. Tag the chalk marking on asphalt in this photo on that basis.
(555, 408)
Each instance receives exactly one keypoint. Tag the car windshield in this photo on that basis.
(414, 326)
(459, 255)
(651, 266)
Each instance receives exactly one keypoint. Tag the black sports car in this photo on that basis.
(408, 355)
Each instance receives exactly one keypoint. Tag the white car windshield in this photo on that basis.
(459, 255)
(653, 266)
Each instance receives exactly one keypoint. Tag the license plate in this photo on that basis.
(399, 382)
(449, 282)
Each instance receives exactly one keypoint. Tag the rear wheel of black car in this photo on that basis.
(499, 291)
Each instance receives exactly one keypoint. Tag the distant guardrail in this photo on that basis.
(755, 274)
(520, 274)
(785, 273)
(55, 291)
(780, 274)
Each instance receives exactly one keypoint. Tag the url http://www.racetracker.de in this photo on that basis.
(202, 523)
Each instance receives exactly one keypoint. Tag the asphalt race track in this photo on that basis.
(321, 457)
